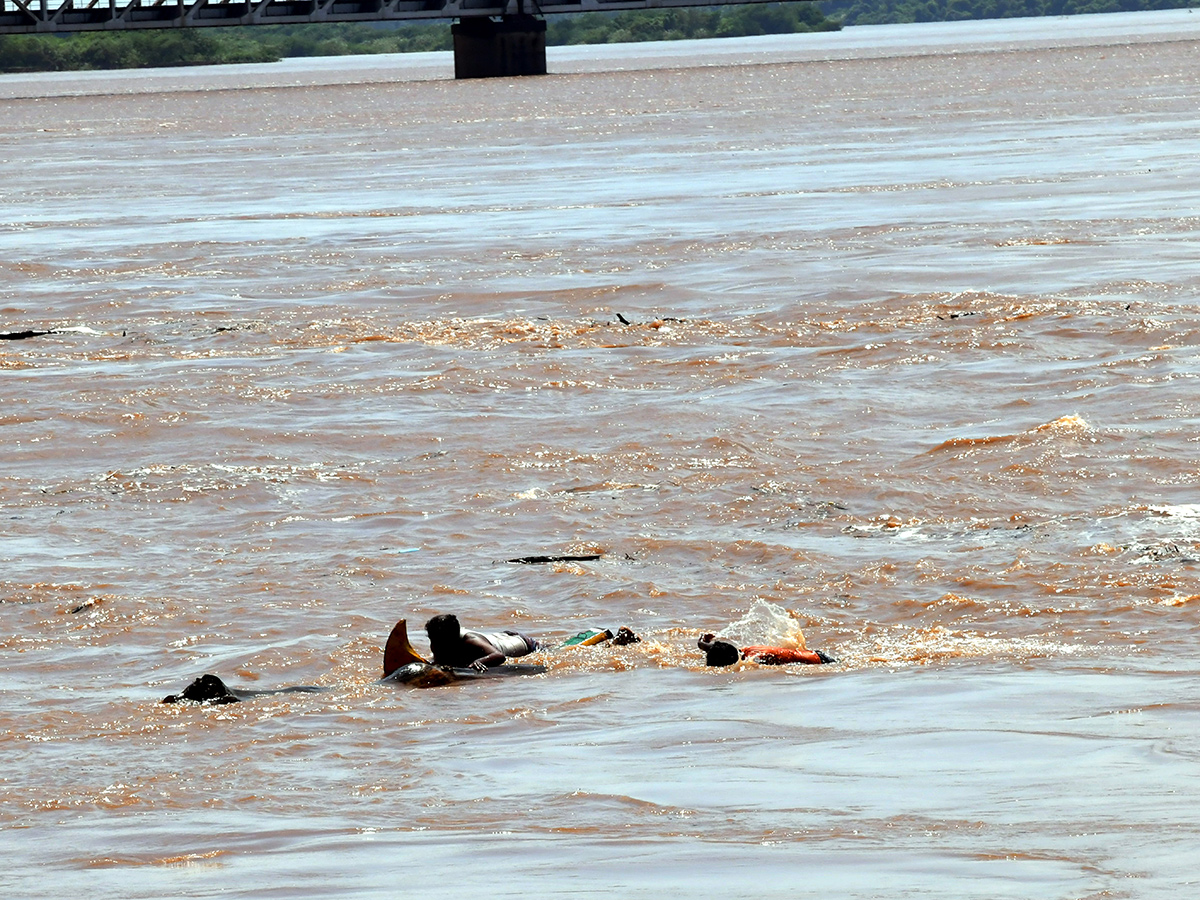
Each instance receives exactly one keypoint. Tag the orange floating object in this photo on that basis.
(398, 651)
(780, 656)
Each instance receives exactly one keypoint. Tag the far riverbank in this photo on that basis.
(859, 42)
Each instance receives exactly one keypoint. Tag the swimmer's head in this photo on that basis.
(721, 653)
(443, 628)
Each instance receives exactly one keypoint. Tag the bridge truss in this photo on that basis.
(57, 16)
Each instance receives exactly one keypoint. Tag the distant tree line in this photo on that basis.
(202, 46)
(269, 43)
(879, 12)
(681, 24)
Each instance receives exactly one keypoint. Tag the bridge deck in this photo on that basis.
(50, 16)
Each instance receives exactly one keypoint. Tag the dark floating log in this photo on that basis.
(538, 560)
(22, 335)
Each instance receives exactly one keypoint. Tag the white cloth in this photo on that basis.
(507, 642)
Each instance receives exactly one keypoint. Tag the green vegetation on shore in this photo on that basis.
(126, 50)
(204, 46)
(681, 24)
(269, 43)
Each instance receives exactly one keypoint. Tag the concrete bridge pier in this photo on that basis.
(495, 48)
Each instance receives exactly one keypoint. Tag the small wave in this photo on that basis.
(905, 646)
(1174, 600)
(215, 477)
(1064, 425)
(1183, 510)
(183, 860)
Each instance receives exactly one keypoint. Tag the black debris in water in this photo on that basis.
(22, 335)
(205, 689)
(538, 560)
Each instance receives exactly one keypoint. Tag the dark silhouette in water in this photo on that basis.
(537, 560)
(723, 653)
(212, 690)
(454, 647)
(22, 335)
(401, 663)
(625, 636)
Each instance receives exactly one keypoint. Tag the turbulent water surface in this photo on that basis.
(891, 352)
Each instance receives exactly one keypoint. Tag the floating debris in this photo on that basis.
(539, 560)
(22, 335)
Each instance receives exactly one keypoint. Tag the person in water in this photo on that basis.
(723, 653)
(451, 646)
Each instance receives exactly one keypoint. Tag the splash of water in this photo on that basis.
(766, 624)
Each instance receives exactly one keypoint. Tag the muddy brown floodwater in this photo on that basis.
(885, 342)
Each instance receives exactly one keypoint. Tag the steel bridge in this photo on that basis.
(28, 16)
(491, 37)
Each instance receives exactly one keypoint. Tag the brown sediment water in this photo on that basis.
(890, 352)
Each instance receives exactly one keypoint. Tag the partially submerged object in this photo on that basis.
(423, 674)
(212, 691)
(398, 651)
(588, 638)
(541, 560)
(402, 664)
(625, 637)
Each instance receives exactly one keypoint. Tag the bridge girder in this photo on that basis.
(61, 16)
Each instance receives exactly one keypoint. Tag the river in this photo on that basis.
(883, 341)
